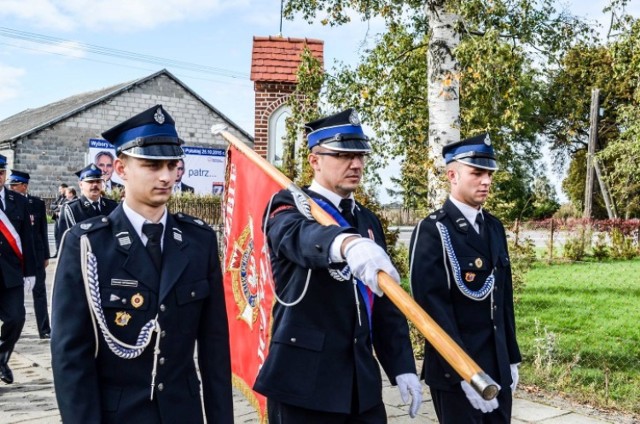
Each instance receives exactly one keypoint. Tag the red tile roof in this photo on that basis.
(276, 59)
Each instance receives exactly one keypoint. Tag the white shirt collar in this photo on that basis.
(137, 220)
(334, 198)
(469, 212)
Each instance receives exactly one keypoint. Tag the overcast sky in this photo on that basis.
(216, 34)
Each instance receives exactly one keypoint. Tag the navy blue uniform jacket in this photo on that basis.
(81, 210)
(318, 348)
(38, 211)
(188, 298)
(13, 271)
(484, 329)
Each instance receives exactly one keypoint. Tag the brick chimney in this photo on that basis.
(274, 64)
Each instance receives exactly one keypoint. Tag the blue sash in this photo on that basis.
(365, 291)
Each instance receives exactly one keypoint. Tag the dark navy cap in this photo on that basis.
(18, 177)
(3, 162)
(474, 151)
(89, 173)
(340, 132)
(149, 135)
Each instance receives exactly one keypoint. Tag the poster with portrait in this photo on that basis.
(201, 171)
(102, 153)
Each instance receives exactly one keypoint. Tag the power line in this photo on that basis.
(237, 81)
(116, 53)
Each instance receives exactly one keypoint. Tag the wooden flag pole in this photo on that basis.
(439, 339)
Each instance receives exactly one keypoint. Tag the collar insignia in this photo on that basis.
(123, 239)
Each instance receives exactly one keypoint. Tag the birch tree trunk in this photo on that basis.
(444, 89)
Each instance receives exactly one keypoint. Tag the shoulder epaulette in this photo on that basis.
(90, 225)
(437, 215)
(192, 220)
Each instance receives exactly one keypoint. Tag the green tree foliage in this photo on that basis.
(614, 68)
(304, 108)
(623, 153)
(502, 89)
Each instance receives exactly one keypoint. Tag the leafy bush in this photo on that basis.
(600, 248)
(622, 246)
(576, 247)
(523, 255)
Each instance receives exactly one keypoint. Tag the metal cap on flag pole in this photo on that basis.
(464, 365)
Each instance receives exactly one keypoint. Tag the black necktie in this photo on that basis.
(154, 233)
(347, 211)
(96, 206)
(1, 204)
(480, 222)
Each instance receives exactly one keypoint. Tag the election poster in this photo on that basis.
(202, 168)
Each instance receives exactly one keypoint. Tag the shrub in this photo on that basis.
(600, 248)
(622, 246)
(575, 248)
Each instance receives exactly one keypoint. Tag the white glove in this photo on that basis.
(366, 258)
(476, 400)
(29, 282)
(410, 383)
(515, 376)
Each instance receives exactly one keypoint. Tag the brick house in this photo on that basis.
(274, 65)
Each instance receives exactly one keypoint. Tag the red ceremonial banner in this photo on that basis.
(248, 282)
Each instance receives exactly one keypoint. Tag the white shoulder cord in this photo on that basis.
(68, 214)
(266, 245)
(413, 253)
(89, 265)
(482, 292)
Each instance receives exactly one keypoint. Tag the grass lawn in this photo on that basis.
(579, 331)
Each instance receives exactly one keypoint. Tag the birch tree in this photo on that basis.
(484, 74)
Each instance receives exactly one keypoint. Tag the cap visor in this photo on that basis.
(156, 151)
(483, 163)
(352, 145)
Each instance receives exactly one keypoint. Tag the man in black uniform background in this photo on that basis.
(55, 207)
(17, 268)
(327, 322)
(90, 203)
(124, 334)
(19, 182)
(461, 276)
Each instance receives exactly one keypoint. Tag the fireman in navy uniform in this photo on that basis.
(19, 182)
(461, 276)
(123, 349)
(17, 268)
(90, 203)
(321, 366)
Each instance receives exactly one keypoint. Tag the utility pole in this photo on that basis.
(604, 189)
(593, 137)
